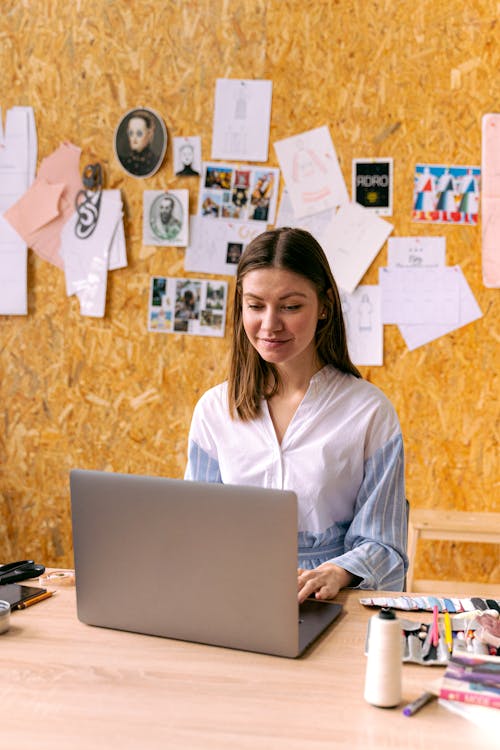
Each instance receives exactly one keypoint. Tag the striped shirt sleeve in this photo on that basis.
(201, 467)
(375, 543)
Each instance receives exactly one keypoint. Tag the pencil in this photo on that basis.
(35, 600)
(447, 631)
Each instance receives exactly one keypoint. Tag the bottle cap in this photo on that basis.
(387, 614)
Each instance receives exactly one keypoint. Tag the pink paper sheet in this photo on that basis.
(40, 214)
(490, 171)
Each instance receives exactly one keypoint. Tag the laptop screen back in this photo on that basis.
(210, 563)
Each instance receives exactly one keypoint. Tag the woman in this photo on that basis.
(296, 414)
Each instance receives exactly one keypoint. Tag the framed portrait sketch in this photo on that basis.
(187, 156)
(165, 217)
(140, 142)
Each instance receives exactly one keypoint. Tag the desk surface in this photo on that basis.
(70, 685)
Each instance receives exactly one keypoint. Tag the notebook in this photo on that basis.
(208, 563)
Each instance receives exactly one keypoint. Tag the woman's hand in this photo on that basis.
(325, 581)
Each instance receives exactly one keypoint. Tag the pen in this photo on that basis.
(35, 600)
(447, 631)
(417, 704)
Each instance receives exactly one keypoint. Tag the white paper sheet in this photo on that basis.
(18, 155)
(118, 249)
(311, 172)
(420, 296)
(416, 252)
(365, 332)
(315, 224)
(13, 278)
(216, 246)
(86, 261)
(242, 115)
(469, 310)
(351, 242)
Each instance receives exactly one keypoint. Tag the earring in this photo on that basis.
(323, 314)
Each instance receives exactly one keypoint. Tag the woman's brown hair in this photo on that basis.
(250, 377)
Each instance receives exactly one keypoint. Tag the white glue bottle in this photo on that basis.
(383, 667)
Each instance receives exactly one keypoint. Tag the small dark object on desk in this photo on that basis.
(20, 571)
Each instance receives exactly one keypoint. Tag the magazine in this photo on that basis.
(472, 679)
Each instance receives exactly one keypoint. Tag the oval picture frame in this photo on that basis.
(140, 142)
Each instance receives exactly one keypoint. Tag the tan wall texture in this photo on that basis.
(408, 79)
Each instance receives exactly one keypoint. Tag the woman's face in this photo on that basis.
(280, 313)
(139, 135)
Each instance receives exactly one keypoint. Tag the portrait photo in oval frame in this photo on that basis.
(140, 142)
(166, 217)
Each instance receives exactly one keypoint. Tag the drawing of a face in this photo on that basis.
(139, 133)
(186, 155)
(166, 209)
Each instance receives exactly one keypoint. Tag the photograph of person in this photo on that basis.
(166, 217)
(211, 205)
(234, 250)
(140, 142)
(218, 177)
(187, 304)
(260, 198)
(295, 413)
(187, 156)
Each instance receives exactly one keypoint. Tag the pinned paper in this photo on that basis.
(239, 193)
(188, 306)
(491, 200)
(372, 181)
(39, 216)
(420, 296)
(446, 194)
(311, 172)
(166, 219)
(363, 321)
(18, 154)
(416, 252)
(468, 311)
(242, 116)
(352, 241)
(316, 224)
(187, 156)
(216, 246)
(86, 261)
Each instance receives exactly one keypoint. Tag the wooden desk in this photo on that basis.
(70, 686)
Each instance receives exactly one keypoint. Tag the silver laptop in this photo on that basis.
(210, 563)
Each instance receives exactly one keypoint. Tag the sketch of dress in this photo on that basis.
(306, 163)
(365, 311)
(240, 110)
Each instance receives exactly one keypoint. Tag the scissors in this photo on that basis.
(20, 571)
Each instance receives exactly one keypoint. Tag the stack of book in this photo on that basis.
(471, 688)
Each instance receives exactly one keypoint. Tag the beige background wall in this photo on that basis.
(404, 79)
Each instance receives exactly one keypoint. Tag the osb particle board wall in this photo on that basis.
(407, 80)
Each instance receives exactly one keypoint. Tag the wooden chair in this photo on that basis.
(455, 526)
